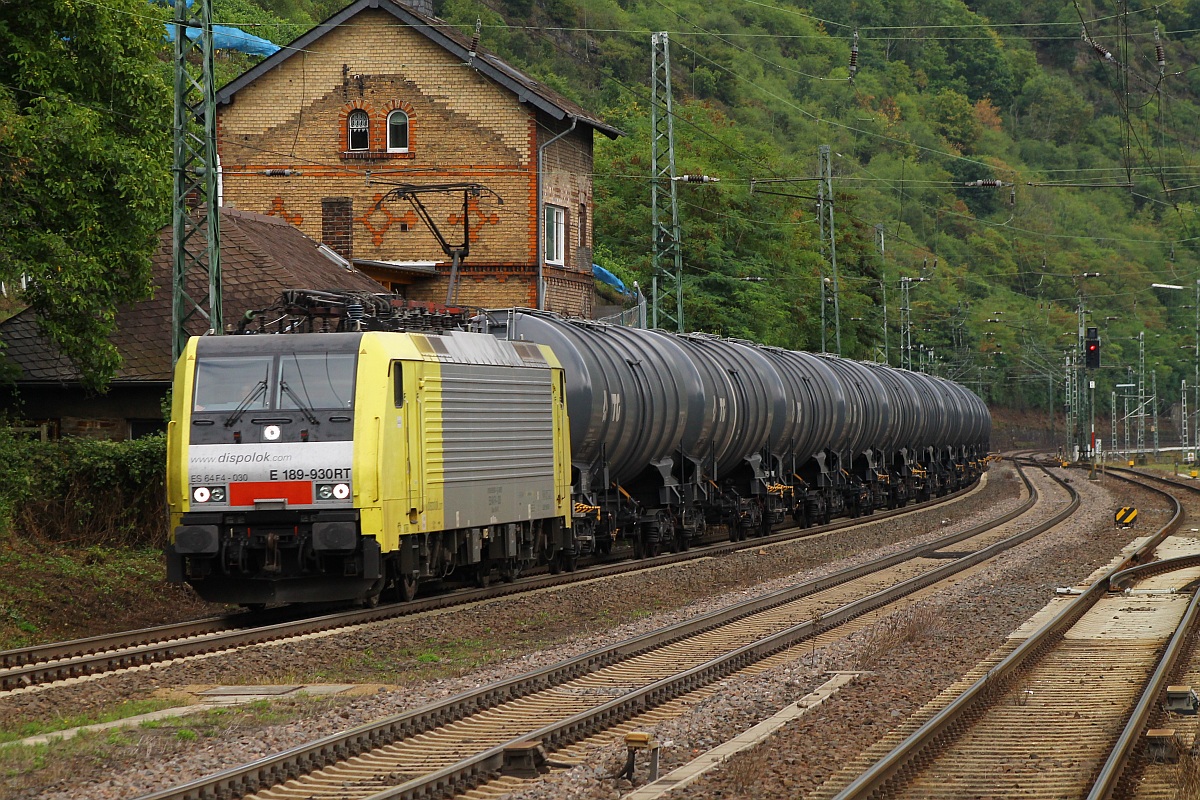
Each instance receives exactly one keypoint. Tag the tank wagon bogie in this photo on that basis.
(350, 465)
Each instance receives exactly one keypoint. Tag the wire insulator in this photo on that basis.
(985, 182)
(1100, 49)
(475, 39)
(1160, 54)
(854, 57)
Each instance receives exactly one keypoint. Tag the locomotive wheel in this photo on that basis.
(406, 588)
(569, 559)
(371, 599)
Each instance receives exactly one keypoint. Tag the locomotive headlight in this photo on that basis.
(324, 491)
(341, 491)
(217, 494)
(201, 494)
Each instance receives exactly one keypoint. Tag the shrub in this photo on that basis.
(84, 491)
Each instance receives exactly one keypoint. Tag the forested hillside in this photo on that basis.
(1064, 104)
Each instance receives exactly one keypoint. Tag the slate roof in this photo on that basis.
(450, 39)
(261, 256)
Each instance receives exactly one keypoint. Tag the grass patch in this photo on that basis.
(41, 598)
(912, 624)
(130, 708)
(33, 770)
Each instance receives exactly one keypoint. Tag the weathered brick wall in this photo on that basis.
(103, 428)
(567, 182)
(462, 128)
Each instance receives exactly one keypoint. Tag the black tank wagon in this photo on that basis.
(672, 434)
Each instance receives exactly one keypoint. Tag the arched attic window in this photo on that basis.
(358, 130)
(397, 132)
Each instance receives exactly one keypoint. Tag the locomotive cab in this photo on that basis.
(261, 474)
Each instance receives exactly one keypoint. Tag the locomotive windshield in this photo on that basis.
(317, 380)
(255, 383)
(222, 384)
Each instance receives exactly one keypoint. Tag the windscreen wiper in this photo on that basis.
(308, 414)
(259, 388)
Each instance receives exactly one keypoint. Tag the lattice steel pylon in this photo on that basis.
(195, 216)
(829, 240)
(667, 253)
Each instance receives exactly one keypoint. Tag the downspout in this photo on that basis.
(541, 219)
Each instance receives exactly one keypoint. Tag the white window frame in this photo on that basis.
(554, 246)
(358, 114)
(407, 121)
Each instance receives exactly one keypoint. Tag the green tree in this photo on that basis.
(953, 116)
(85, 115)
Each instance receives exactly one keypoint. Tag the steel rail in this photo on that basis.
(274, 769)
(99, 654)
(1113, 772)
(958, 713)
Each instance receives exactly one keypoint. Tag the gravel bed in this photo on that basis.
(544, 628)
(960, 627)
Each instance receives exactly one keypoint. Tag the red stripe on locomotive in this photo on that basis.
(295, 492)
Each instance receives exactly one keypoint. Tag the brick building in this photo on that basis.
(382, 94)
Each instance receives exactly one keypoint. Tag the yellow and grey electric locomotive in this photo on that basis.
(333, 466)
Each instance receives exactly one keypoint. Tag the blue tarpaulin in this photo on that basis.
(604, 276)
(226, 37)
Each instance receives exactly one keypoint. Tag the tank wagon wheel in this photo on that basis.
(255, 608)
(510, 571)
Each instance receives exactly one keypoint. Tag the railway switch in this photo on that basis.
(1162, 745)
(1182, 700)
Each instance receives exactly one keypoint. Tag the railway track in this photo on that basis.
(1063, 710)
(45, 664)
(476, 737)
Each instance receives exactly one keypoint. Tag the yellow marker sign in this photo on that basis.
(1125, 517)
